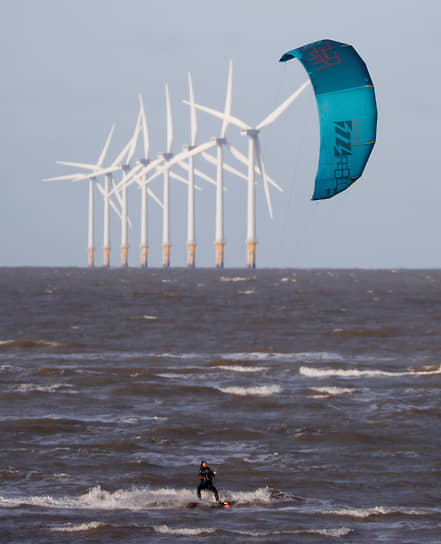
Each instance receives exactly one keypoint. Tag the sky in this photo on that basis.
(72, 69)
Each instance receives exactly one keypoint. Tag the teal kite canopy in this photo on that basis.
(347, 111)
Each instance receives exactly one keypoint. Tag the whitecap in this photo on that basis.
(304, 357)
(31, 388)
(324, 392)
(262, 390)
(355, 373)
(238, 368)
(236, 279)
(79, 528)
(183, 531)
(363, 513)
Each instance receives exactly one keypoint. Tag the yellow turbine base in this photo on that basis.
(90, 257)
(251, 254)
(219, 254)
(191, 252)
(144, 256)
(106, 257)
(165, 255)
(124, 256)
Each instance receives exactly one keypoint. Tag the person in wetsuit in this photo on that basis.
(206, 476)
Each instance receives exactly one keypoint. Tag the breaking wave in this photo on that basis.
(238, 368)
(79, 528)
(261, 391)
(323, 392)
(355, 373)
(334, 532)
(166, 530)
(363, 513)
(136, 499)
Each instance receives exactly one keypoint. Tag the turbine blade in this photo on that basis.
(155, 198)
(84, 165)
(243, 159)
(106, 147)
(169, 120)
(123, 152)
(70, 177)
(209, 158)
(193, 120)
(237, 154)
(145, 132)
(283, 106)
(116, 193)
(178, 177)
(134, 139)
(227, 109)
(186, 154)
(126, 180)
(259, 158)
(220, 115)
(114, 208)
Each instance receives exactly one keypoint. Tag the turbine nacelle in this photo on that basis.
(252, 132)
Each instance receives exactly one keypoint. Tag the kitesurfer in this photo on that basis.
(206, 476)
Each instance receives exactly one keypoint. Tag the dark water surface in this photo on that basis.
(315, 394)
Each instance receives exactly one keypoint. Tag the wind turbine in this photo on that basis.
(121, 164)
(254, 155)
(92, 177)
(218, 142)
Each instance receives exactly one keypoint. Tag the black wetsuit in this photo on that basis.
(206, 476)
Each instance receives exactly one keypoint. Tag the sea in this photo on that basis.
(315, 394)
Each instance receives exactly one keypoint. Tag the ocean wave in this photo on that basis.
(29, 344)
(34, 388)
(313, 356)
(136, 499)
(261, 391)
(238, 368)
(236, 279)
(364, 513)
(143, 318)
(183, 531)
(79, 528)
(312, 372)
(337, 532)
(331, 391)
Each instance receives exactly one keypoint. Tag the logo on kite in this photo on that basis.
(344, 90)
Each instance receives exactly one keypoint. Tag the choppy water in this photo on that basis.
(316, 394)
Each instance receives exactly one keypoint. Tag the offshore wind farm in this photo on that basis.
(128, 169)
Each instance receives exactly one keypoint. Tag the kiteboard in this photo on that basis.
(219, 504)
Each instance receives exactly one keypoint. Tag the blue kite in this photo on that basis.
(347, 112)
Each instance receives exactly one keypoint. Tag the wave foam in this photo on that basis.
(54, 388)
(363, 513)
(335, 532)
(312, 372)
(79, 528)
(302, 357)
(261, 391)
(135, 499)
(166, 530)
(331, 391)
(238, 368)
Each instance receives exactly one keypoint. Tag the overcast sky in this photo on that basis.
(71, 69)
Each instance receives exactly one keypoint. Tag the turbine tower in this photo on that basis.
(166, 156)
(219, 143)
(254, 154)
